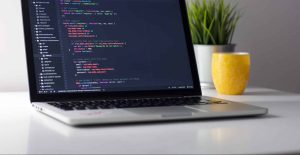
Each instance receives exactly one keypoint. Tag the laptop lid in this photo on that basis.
(93, 49)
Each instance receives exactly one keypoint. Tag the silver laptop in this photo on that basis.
(116, 61)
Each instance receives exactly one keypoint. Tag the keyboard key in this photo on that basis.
(134, 103)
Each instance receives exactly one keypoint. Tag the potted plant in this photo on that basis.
(212, 24)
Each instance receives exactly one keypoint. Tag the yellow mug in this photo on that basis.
(231, 72)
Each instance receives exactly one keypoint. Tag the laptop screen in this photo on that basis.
(108, 46)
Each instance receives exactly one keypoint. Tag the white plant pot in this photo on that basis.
(204, 61)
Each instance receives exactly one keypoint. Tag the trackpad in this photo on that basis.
(164, 111)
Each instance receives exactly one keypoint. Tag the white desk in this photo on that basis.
(22, 130)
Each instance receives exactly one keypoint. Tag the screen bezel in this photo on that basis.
(35, 97)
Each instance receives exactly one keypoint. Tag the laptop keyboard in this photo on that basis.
(133, 103)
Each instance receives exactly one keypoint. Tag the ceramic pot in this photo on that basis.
(204, 61)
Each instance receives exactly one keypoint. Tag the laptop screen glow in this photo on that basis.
(109, 46)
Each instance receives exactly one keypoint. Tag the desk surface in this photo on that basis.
(23, 130)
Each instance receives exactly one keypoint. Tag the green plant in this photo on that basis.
(212, 22)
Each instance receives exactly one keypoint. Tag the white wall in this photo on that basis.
(268, 30)
(12, 55)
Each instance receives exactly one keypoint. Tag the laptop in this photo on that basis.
(116, 61)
